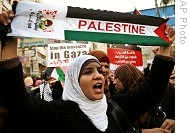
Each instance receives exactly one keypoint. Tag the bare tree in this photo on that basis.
(157, 8)
(166, 2)
(162, 3)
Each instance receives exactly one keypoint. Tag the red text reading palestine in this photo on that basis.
(109, 26)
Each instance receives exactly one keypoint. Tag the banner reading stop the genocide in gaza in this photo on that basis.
(72, 23)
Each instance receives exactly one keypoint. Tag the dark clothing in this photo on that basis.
(30, 114)
(168, 102)
(164, 110)
(112, 89)
(57, 90)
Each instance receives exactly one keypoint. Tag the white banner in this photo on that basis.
(47, 21)
(60, 54)
(39, 20)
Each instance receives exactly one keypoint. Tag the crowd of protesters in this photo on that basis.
(87, 104)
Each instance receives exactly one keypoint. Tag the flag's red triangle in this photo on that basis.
(160, 31)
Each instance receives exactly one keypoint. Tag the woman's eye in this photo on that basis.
(100, 71)
(87, 72)
(106, 67)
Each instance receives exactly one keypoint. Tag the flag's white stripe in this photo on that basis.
(54, 74)
(100, 26)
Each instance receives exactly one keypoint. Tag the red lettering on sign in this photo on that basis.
(81, 23)
(142, 29)
(99, 26)
(117, 27)
(92, 26)
(111, 26)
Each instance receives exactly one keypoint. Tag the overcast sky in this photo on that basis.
(110, 5)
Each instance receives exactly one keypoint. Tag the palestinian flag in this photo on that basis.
(73, 23)
(137, 12)
(56, 72)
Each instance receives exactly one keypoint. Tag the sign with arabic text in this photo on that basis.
(119, 56)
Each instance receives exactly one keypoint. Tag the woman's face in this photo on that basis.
(92, 81)
(118, 85)
(105, 68)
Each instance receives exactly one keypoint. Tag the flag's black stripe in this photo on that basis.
(49, 70)
(83, 13)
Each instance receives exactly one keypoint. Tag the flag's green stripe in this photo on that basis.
(75, 12)
(114, 38)
(61, 74)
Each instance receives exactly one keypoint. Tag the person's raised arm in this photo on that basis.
(170, 33)
(10, 47)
